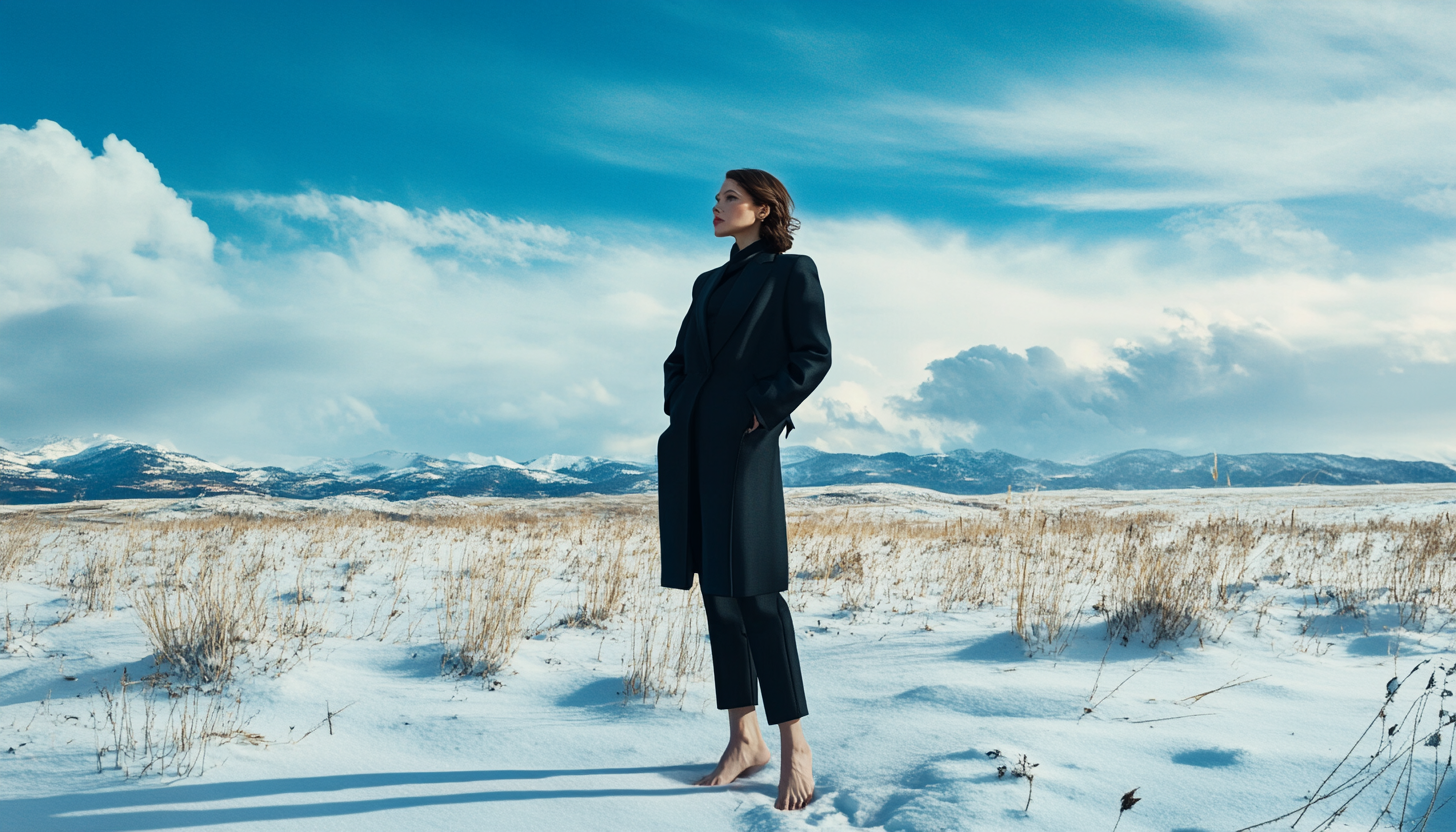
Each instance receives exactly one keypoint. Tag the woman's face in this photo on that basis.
(734, 211)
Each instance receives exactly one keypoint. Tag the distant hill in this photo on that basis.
(971, 472)
(58, 469)
(111, 468)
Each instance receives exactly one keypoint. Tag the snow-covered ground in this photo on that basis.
(921, 710)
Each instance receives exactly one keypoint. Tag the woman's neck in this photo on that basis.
(747, 237)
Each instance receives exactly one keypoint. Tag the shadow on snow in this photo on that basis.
(125, 810)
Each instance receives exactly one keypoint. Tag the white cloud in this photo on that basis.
(1308, 99)
(1266, 231)
(1196, 389)
(75, 226)
(464, 233)
(1199, 143)
(341, 415)
(453, 332)
(1440, 201)
(1280, 101)
(909, 296)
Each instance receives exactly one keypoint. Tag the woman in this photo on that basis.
(752, 347)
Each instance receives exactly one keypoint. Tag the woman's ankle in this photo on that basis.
(791, 734)
(743, 725)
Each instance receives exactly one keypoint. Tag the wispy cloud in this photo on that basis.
(1305, 99)
(1266, 231)
(466, 233)
(1437, 201)
(1284, 101)
(1200, 143)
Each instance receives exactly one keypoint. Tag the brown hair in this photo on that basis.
(765, 189)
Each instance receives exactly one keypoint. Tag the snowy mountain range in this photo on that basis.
(56, 469)
(972, 472)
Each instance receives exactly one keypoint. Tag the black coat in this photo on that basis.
(768, 350)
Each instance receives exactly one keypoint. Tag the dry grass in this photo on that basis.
(202, 610)
(484, 599)
(668, 649)
(606, 561)
(105, 570)
(217, 592)
(20, 536)
(1150, 575)
(222, 596)
(144, 727)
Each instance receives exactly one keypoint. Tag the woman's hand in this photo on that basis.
(755, 426)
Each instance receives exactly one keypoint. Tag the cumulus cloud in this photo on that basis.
(1197, 390)
(356, 324)
(1078, 324)
(75, 226)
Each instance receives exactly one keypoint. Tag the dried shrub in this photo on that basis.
(1156, 593)
(202, 613)
(484, 598)
(156, 728)
(668, 649)
(20, 536)
(607, 559)
(106, 568)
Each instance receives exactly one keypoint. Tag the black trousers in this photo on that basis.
(753, 647)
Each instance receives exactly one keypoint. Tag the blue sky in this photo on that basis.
(1062, 229)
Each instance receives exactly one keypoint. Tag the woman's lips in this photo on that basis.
(716, 220)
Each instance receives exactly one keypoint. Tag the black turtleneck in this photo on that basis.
(736, 259)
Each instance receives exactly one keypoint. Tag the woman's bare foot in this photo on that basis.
(796, 769)
(746, 749)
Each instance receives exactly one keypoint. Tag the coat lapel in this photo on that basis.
(740, 295)
(700, 315)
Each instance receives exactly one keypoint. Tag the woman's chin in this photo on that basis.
(720, 231)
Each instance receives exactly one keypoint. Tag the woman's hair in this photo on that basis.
(765, 189)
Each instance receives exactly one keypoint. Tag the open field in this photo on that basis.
(265, 663)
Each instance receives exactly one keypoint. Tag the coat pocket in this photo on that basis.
(759, 435)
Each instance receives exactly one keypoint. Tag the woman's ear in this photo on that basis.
(764, 212)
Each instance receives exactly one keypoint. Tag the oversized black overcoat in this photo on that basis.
(768, 350)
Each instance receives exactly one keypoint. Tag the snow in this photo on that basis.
(474, 460)
(913, 709)
(367, 466)
(45, 449)
(174, 463)
(56, 449)
(396, 462)
(790, 454)
(13, 462)
(562, 462)
(355, 502)
(255, 476)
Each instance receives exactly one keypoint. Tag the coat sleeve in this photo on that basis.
(774, 398)
(674, 369)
